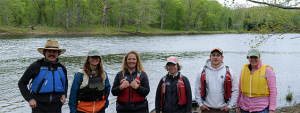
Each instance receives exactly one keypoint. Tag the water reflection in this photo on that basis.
(19, 51)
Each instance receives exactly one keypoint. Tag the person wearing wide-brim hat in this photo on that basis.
(48, 89)
(257, 86)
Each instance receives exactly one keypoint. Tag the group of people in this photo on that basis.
(217, 88)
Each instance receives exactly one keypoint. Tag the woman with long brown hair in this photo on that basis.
(90, 88)
(131, 85)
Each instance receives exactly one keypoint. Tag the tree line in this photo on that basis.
(199, 15)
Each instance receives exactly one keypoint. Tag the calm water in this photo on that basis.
(19, 51)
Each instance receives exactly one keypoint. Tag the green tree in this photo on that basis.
(146, 14)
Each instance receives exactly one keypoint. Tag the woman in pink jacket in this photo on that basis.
(257, 86)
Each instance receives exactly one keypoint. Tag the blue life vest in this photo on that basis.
(53, 81)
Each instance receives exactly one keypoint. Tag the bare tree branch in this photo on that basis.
(101, 2)
(274, 5)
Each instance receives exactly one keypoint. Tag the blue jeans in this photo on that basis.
(266, 110)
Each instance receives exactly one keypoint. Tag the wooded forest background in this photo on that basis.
(198, 15)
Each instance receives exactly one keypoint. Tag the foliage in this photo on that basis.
(188, 15)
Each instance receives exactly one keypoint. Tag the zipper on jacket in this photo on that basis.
(53, 78)
(53, 83)
(132, 93)
(250, 84)
(129, 87)
(50, 100)
(94, 107)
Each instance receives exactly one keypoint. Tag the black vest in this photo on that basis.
(95, 90)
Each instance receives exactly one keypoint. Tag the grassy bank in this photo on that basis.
(291, 109)
(101, 31)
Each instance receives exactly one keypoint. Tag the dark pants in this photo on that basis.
(101, 111)
(143, 110)
(211, 110)
(54, 107)
(266, 110)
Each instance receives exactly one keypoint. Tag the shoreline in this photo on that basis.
(120, 33)
(102, 31)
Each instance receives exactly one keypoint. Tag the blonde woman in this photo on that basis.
(90, 88)
(131, 85)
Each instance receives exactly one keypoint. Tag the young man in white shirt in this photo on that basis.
(216, 86)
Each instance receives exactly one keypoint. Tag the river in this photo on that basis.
(19, 51)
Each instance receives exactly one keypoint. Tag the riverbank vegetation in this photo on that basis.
(186, 15)
(144, 17)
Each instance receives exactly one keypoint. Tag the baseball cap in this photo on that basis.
(253, 52)
(94, 52)
(217, 49)
(172, 60)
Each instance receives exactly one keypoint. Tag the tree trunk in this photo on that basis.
(78, 13)
(137, 30)
(120, 14)
(162, 17)
(227, 27)
(40, 7)
(67, 25)
(104, 15)
(53, 13)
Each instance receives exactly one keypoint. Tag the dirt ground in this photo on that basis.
(291, 109)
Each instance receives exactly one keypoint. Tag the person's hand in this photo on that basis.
(271, 111)
(133, 84)
(238, 110)
(203, 107)
(63, 99)
(32, 103)
(125, 84)
(225, 109)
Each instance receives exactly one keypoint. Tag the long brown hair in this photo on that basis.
(139, 65)
(87, 69)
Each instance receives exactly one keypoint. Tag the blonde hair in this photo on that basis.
(87, 69)
(139, 65)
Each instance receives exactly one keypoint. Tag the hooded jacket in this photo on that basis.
(32, 71)
(215, 91)
(170, 103)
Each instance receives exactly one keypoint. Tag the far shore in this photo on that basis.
(101, 31)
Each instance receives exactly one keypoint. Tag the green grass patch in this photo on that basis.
(289, 96)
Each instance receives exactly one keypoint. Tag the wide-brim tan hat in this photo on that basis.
(51, 45)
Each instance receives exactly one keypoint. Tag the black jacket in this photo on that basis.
(32, 71)
(170, 105)
(143, 90)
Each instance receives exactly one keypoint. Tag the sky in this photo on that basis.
(238, 2)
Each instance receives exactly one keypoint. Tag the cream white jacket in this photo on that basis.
(215, 87)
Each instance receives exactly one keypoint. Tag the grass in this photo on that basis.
(98, 30)
(289, 96)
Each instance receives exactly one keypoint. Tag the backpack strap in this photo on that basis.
(164, 90)
(227, 70)
(164, 79)
(203, 73)
(225, 80)
(79, 78)
(138, 75)
(122, 76)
